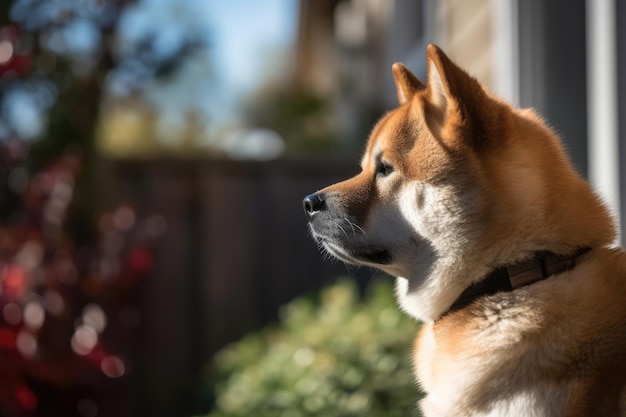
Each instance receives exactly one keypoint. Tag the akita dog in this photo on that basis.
(499, 246)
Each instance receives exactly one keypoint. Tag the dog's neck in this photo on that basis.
(510, 277)
(439, 295)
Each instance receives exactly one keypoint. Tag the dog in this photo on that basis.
(499, 247)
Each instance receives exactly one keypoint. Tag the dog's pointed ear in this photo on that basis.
(449, 85)
(458, 103)
(407, 84)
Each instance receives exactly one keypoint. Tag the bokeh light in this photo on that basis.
(6, 51)
(54, 302)
(94, 317)
(124, 218)
(12, 314)
(25, 397)
(26, 343)
(84, 340)
(34, 314)
(12, 280)
(113, 366)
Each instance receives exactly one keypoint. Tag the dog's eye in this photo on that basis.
(383, 169)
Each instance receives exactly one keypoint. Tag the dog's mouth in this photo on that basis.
(363, 254)
(344, 239)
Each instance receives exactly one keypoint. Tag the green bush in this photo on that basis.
(336, 356)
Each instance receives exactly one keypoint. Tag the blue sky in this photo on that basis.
(244, 30)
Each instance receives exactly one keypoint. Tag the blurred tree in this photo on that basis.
(64, 271)
(63, 56)
(304, 119)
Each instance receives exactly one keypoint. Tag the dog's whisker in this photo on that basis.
(354, 227)
(351, 226)
(360, 228)
(342, 231)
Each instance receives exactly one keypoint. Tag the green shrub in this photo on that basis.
(333, 357)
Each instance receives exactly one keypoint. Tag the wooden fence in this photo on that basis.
(236, 248)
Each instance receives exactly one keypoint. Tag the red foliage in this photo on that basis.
(77, 289)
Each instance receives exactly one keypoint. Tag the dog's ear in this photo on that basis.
(447, 83)
(453, 92)
(407, 84)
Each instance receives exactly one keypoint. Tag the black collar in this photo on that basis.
(509, 277)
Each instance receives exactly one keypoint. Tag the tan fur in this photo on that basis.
(455, 183)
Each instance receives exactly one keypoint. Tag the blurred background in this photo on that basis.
(153, 156)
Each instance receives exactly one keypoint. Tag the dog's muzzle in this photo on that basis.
(338, 234)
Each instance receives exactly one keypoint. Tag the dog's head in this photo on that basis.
(454, 182)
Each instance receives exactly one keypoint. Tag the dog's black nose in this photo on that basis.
(313, 203)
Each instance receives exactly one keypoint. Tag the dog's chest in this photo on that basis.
(481, 369)
(471, 348)
(447, 375)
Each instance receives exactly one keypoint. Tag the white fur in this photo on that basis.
(438, 214)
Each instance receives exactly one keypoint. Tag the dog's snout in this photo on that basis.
(313, 203)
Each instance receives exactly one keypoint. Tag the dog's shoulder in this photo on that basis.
(563, 338)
